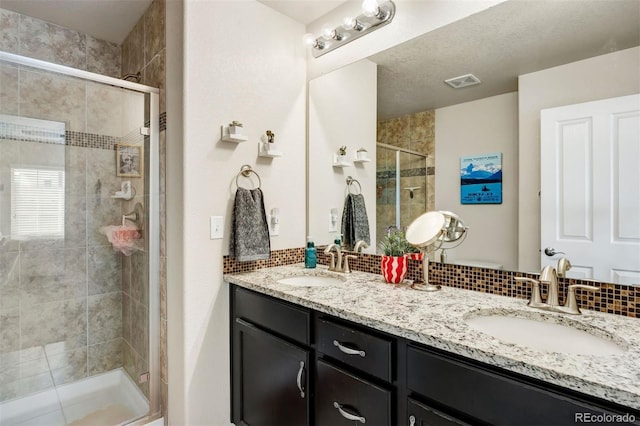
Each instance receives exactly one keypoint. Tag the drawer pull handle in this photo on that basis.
(348, 415)
(412, 420)
(299, 379)
(347, 350)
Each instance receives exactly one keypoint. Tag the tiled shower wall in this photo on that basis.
(61, 300)
(42, 40)
(144, 51)
(417, 133)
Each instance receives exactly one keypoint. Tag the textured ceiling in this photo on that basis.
(304, 11)
(110, 20)
(497, 45)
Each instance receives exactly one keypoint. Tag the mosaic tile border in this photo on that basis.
(419, 171)
(78, 139)
(278, 258)
(613, 298)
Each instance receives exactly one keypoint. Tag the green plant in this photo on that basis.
(395, 243)
(342, 150)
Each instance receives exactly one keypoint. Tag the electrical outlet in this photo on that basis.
(216, 227)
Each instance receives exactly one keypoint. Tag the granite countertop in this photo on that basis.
(438, 319)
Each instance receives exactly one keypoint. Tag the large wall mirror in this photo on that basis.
(530, 56)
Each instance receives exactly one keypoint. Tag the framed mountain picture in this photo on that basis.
(481, 179)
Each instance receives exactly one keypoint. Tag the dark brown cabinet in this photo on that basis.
(343, 398)
(272, 379)
(294, 366)
(270, 361)
(419, 414)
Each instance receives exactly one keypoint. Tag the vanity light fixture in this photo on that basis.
(373, 16)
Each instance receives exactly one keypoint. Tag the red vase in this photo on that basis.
(415, 256)
(394, 268)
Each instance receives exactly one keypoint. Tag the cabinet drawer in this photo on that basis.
(489, 396)
(272, 314)
(369, 353)
(345, 399)
(419, 414)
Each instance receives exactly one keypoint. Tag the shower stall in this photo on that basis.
(79, 318)
(401, 187)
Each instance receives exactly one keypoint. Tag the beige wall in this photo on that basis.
(342, 110)
(602, 77)
(242, 61)
(480, 127)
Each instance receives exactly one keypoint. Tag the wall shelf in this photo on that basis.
(235, 138)
(363, 160)
(264, 151)
(340, 161)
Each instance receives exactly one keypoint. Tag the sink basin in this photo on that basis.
(544, 334)
(311, 280)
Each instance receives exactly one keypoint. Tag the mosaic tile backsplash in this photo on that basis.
(613, 298)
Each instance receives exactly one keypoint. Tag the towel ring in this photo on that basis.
(351, 181)
(246, 171)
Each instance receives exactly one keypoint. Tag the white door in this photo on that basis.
(590, 188)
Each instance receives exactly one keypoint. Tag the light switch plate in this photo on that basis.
(216, 227)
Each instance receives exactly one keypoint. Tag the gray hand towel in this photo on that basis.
(249, 239)
(355, 224)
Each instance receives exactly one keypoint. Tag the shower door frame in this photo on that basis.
(398, 150)
(153, 95)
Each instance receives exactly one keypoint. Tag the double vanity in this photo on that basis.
(326, 348)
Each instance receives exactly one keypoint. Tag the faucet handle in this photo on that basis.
(346, 262)
(571, 305)
(536, 298)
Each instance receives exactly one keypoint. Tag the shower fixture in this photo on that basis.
(411, 189)
(132, 77)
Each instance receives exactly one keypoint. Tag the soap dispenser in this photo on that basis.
(310, 254)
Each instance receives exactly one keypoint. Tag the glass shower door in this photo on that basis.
(74, 311)
(401, 188)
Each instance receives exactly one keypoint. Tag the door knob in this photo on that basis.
(550, 251)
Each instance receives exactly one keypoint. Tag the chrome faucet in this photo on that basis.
(336, 259)
(563, 266)
(336, 263)
(361, 244)
(550, 277)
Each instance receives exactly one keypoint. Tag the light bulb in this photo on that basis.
(327, 32)
(309, 39)
(348, 22)
(370, 8)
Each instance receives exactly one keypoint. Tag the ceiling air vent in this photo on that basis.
(463, 81)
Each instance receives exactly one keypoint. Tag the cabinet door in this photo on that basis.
(345, 399)
(270, 379)
(421, 415)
